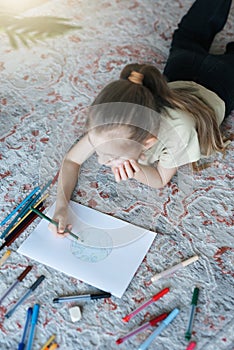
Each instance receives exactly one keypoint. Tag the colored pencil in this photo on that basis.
(188, 333)
(21, 345)
(28, 218)
(29, 212)
(49, 341)
(25, 209)
(18, 280)
(5, 257)
(19, 206)
(28, 292)
(34, 319)
(18, 218)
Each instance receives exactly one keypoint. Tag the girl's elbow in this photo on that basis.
(166, 176)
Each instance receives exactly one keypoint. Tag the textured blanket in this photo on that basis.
(44, 91)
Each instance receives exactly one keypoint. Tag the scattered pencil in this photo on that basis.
(33, 324)
(159, 329)
(192, 345)
(25, 296)
(146, 325)
(22, 225)
(20, 205)
(175, 268)
(28, 213)
(5, 257)
(147, 303)
(188, 333)
(48, 343)
(15, 283)
(21, 345)
(25, 209)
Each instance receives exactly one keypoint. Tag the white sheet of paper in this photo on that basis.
(110, 268)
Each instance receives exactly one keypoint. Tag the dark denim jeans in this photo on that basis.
(189, 57)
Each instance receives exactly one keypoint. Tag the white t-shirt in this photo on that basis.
(177, 142)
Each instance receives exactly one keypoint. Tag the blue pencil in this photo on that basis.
(29, 291)
(36, 198)
(20, 215)
(26, 327)
(35, 313)
(159, 329)
(20, 205)
(25, 209)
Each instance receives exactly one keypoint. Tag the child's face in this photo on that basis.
(113, 148)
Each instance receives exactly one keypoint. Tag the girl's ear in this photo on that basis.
(149, 142)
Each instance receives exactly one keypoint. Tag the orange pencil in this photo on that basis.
(48, 343)
(27, 214)
(5, 257)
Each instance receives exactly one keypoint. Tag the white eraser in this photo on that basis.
(75, 313)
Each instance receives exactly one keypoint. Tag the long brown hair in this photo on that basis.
(155, 94)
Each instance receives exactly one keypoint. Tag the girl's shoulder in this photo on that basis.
(206, 95)
(175, 118)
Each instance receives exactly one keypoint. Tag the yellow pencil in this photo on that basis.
(53, 346)
(29, 212)
(5, 257)
(49, 341)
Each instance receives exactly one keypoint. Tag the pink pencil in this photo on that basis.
(152, 300)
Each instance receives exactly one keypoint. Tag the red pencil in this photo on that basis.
(152, 300)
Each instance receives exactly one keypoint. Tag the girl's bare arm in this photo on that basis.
(149, 175)
(68, 177)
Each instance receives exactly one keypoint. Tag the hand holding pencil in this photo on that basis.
(60, 217)
(55, 223)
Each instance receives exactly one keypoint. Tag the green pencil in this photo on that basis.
(43, 216)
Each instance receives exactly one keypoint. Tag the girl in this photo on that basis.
(145, 125)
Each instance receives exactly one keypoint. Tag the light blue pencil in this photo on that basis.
(36, 198)
(21, 214)
(19, 206)
(25, 209)
(35, 313)
(159, 329)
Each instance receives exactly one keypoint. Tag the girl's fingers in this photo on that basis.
(116, 173)
(135, 165)
(129, 169)
(63, 230)
(67, 229)
(126, 170)
(61, 226)
(59, 229)
(122, 172)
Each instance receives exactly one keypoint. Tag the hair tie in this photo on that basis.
(136, 77)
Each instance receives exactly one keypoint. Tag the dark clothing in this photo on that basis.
(189, 57)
